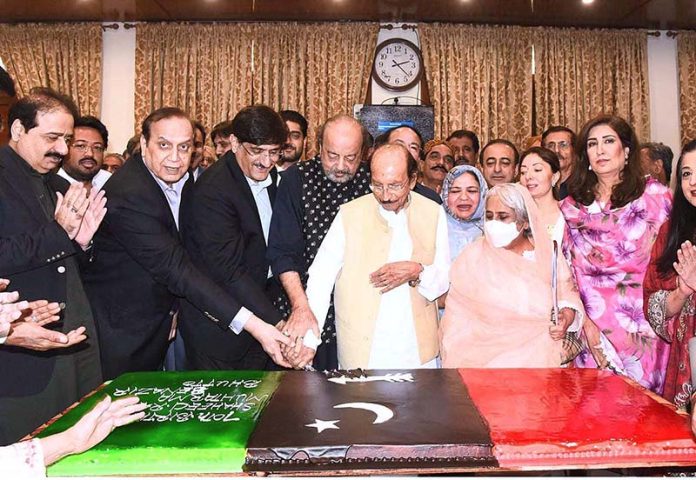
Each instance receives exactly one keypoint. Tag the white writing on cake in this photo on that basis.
(192, 401)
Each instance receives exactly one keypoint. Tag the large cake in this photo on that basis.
(371, 420)
(421, 421)
(196, 422)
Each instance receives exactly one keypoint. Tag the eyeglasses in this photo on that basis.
(83, 147)
(255, 152)
(392, 187)
(557, 146)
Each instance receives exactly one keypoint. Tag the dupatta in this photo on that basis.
(498, 309)
(463, 232)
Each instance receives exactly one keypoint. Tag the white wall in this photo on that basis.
(380, 95)
(118, 86)
(663, 76)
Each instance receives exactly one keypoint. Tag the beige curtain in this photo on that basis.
(205, 69)
(480, 79)
(214, 70)
(686, 54)
(582, 73)
(65, 57)
(319, 70)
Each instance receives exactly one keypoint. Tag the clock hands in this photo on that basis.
(400, 67)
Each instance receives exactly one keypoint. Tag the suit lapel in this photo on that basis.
(273, 187)
(183, 202)
(152, 189)
(17, 181)
(243, 185)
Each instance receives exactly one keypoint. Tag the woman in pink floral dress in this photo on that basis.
(613, 215)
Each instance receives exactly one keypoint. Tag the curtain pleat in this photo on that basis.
(582, 73)
(65, 57)
(479, 79)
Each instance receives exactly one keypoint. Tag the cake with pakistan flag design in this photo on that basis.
(273, 422)
(196, 422)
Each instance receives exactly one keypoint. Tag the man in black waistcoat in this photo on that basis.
(140, 270)
(308, 199)
(42, 233)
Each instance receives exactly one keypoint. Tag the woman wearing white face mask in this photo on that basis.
(498, 312)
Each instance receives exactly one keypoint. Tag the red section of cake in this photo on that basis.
(578, 417)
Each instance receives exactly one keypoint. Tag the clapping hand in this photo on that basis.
(685, 266)
(93, 217)
(10, 308)
(71, 208)
(35, 337)
(41, 312)
(23, 323)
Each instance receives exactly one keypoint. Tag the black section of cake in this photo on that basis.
(385, 419)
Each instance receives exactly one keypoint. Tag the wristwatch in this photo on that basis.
(416, 282)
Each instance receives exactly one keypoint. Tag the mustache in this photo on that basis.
(92, 159)
(56, 155)
(439, 167)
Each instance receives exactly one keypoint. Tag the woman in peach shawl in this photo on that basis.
(498, 311)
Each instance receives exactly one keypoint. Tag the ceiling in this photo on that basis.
(651, 14)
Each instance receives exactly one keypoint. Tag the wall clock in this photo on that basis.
(398, 64)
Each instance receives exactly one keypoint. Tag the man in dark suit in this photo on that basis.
(139, 267)
(44, 369)
(225, 224)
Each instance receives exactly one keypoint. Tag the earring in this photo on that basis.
(589, 167)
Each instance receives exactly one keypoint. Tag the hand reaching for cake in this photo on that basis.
(94, 427)
(299, 360)
(270, 338)
(301, 320)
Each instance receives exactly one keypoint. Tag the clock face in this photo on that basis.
(398, 64)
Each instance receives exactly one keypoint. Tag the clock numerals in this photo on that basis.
(397, 65)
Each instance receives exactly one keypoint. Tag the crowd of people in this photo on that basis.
(233, 251)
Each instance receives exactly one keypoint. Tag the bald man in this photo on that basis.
(307, 201)
(386, 260)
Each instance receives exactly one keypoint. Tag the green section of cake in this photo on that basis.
(196, 422)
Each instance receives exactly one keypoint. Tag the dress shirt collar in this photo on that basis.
(177, 187)
(258, 186)
(97, 181)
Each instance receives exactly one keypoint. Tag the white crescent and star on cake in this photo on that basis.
(383, 413)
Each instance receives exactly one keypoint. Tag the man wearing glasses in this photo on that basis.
(386, 258)
(86, 154)
(140, 273)
(562, 141)
(225, 225)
